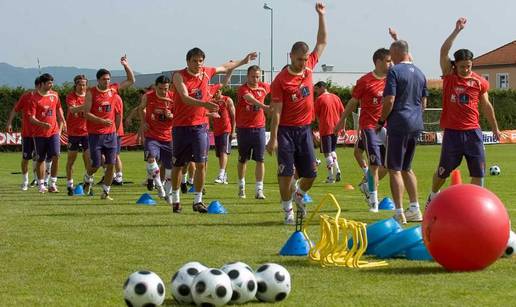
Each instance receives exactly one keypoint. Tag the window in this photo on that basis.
(486, 76)
(502, 80)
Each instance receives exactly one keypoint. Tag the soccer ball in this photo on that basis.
(243, 282)
(181, 283)
(511, 245)
(273, 282)
(494, 170)
(211, 287)
(144, 288)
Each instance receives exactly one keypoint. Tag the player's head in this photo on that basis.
(399, 51)
(463, 60)
(320, 87)
(254, 75)
(80, 83)
(299, 56)
(37, 83)
(103, 78)
(162, 84)
(382, 60)
(195, 59)
(46, 82)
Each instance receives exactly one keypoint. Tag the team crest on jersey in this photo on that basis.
(305, 91)
(105, 106)
(196, 93)
(47, 111)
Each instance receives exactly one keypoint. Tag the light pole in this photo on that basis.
(265, 6)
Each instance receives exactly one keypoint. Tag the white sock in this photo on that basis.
(287, 205)
(241, 182)
(48, 166)
(41, 182)
(414, 205)
(293, 185)
(197, 197)
(373, 197)
(69, 183)
(299, 193)
(259, 186)
(183, 179)
(190, 181)
(365, 169)
(106, 188)
(221, 173)
(25, 178)
(329, 165)
(399, 210)
(118, 176)
(175, 196)
(335, 161)
(88, 178)
(53, 180)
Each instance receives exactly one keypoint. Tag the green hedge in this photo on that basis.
(504, 102)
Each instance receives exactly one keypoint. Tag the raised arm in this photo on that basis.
(322, 36)
(128, 72)
(446, 65)
(182, 91)
(231, 65)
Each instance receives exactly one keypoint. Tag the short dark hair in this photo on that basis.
(45, 78)
(102, 72)
(401, 45)
(463, 55)
(253, 68)
(78, 78)
(321, 84)
(300, 47)
(162, 80)
(380, 54)
(195, 52)
(37, 81)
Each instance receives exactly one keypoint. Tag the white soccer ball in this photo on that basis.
(182, 280)
(211, 287)
(511, 245)
(243, 282)
(494, 170)
(144, 288)
(273, 282)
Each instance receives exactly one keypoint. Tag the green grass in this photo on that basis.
(77, 251)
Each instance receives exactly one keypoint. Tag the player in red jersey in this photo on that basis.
(464, 92)
(250, 124)
(22, 106)
(102, 112)
(189, 132)
(156, 109)
(368, 92)
(77, 132)
(47, 120)
(292, 107)
(328, 109)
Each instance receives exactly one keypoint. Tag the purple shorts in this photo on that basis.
(160, 150)
(47, 147)
(400, 151)
(328, 143)
(373, 146)
(189, 144)
(76, 143)
(207, 139)
(118, 144)
(102, 145)
(296, 150)
(456, 144)
(251, 144)
(27, 148)
(222, 144)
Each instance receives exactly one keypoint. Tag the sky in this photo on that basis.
(156, 34)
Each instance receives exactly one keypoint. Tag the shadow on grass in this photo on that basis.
(411, 270)
(224, 224)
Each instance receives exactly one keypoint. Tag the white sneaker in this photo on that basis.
(259, 194)
(373, 207)
(241, 192)
(225, 178)
(413, 215)
(298, 199)
(42, 189)
(219, 180)
(105, 196)
(289, 217)
(400, 218)
(24, 186)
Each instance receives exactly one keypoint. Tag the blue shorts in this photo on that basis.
(328, 143)
(458, 144)
(102, 145)
(251, 144)
(400, 151)
(118, 144)
(296, 150)
(47, 147)
(160, 150)
(373, 146)
(222, 144)
(76, 143)
(27, 148)
(189, 144)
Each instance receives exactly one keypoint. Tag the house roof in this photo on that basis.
(504, 55)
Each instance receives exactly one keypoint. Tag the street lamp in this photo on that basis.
(267, 7)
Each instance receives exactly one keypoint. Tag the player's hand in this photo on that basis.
(107, 122)
(233, 136)
(460, 24)
(169, 114)
(123, 60)
(64, 128)
(320, 8)
(338, 127)
(47, 126)
(212, 107)
(499, 135)
(9, 128)
(250, 57)
(393, 34)
(272, 146)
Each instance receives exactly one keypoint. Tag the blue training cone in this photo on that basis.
(78, 191)
(191, 190)
(307, 199)
(146, 199)
(216, 207)
(296, 245)
(386, 204)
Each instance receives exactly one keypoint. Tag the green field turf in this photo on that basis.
(57, 250)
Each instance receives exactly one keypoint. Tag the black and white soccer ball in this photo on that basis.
(243, 282)
(511, 245)
(495, 170)
(182, 280)
(144, 288)
(211, 287)
(273, 282)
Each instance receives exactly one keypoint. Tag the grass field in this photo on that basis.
(58, 250)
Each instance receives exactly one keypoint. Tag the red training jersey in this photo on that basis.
(295, 91)
(247, 114)
(460, 101)
(23, 105)
(328, 109)
(45, 108)
(369, 91)
(223, 124)
(103, 105)
(197, 87)
(75, 122)
(159, 126)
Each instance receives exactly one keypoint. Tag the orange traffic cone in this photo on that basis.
(348, 187)
(455, 177)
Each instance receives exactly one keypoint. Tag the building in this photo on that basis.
(498, 66)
